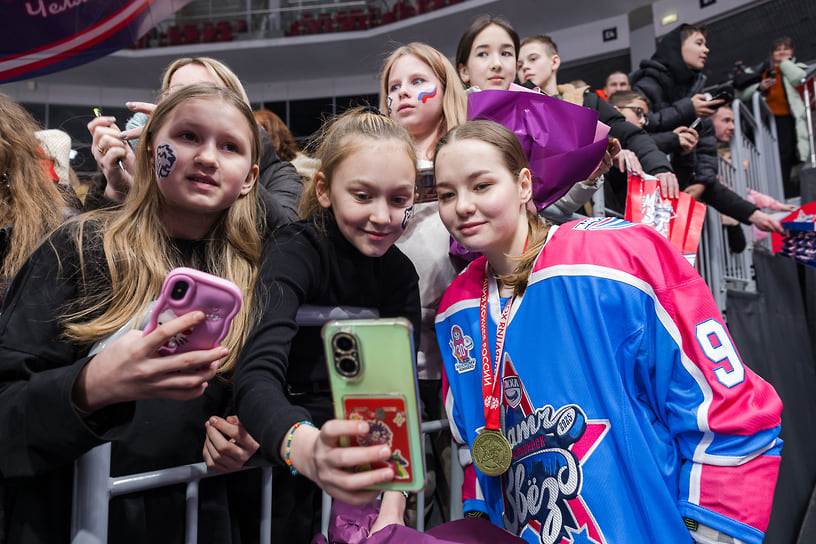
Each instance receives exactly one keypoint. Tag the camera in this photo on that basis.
(346, 355)
(179, 290)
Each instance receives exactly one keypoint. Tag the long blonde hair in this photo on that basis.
(30, 202)
(139, 252)
(454, 100)
(338, 139)
(514, 159)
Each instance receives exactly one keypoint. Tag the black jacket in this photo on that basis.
(41, 434)
(631, 136)
(305, 265)
(669, 84)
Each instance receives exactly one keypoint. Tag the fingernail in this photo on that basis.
(363, 428)
(129, 104)
(213, 420)
(224, 352)
(122, 136)
(384, 453)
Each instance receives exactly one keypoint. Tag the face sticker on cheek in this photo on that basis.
(389, 101)
(424, 96)
(165, 160)
(407, 217)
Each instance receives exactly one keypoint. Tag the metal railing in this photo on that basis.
(94, 487)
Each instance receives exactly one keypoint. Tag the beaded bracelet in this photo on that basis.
(286, 450)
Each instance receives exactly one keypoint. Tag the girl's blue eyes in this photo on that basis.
(191, 137)
(396, 87)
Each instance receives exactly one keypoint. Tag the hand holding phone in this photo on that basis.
(186, 290)
(372, 372)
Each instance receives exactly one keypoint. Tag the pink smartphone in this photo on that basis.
(186, 290)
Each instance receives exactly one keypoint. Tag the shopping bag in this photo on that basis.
(680, 219)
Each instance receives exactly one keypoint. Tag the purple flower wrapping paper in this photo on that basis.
(564, 143)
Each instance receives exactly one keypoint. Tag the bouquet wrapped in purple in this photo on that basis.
(351, 524)
(564, 143)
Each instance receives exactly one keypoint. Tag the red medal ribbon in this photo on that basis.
(491, 388)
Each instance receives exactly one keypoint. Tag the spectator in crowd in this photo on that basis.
(616, 81)
(673, 81)
(779, 76)
(538, 64)
(31, 203)
(724, 127)
(285, 144)
(486, 59)
(420, 89)
(97, 275)
(279, 183)
(593, 385)
(340, 254)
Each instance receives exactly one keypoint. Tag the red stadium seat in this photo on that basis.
(174, 36)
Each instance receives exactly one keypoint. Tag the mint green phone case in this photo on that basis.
(372, 371)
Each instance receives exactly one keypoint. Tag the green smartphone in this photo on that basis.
(372, 372)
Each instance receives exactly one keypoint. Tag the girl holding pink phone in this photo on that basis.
(194, 203)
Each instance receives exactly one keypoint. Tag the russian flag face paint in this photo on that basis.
(424, 96)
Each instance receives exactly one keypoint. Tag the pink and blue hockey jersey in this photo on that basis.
(624, 400)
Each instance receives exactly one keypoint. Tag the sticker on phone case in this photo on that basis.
(386, 420)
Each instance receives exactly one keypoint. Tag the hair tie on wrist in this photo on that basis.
(287, 451)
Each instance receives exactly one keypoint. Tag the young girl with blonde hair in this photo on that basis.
(278, 181)
(195, 204)
(31, 204)
(340, 254)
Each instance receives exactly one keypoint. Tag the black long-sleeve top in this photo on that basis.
(281, 376)
(41, 434)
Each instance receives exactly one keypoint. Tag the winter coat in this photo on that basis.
(792, 74)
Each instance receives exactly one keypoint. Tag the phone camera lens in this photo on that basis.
(179, 290)
(347, 366)
(344, 342)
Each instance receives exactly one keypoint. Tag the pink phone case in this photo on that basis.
(185, 290)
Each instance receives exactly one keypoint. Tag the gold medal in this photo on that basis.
(491, 453)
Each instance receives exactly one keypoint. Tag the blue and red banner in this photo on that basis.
(44, 36)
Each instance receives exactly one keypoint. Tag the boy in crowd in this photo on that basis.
(672, 82)
(538, 63)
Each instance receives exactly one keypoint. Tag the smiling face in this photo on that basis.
(415, 96)
(481, 202)
(492, 60)
(371, 193)
(537, 64)
(203, 163)
(694, 51)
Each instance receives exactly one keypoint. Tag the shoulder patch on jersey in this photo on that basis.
(460, 345)
(602, 223)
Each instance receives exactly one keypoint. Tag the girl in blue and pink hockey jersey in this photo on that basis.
(615, 407)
